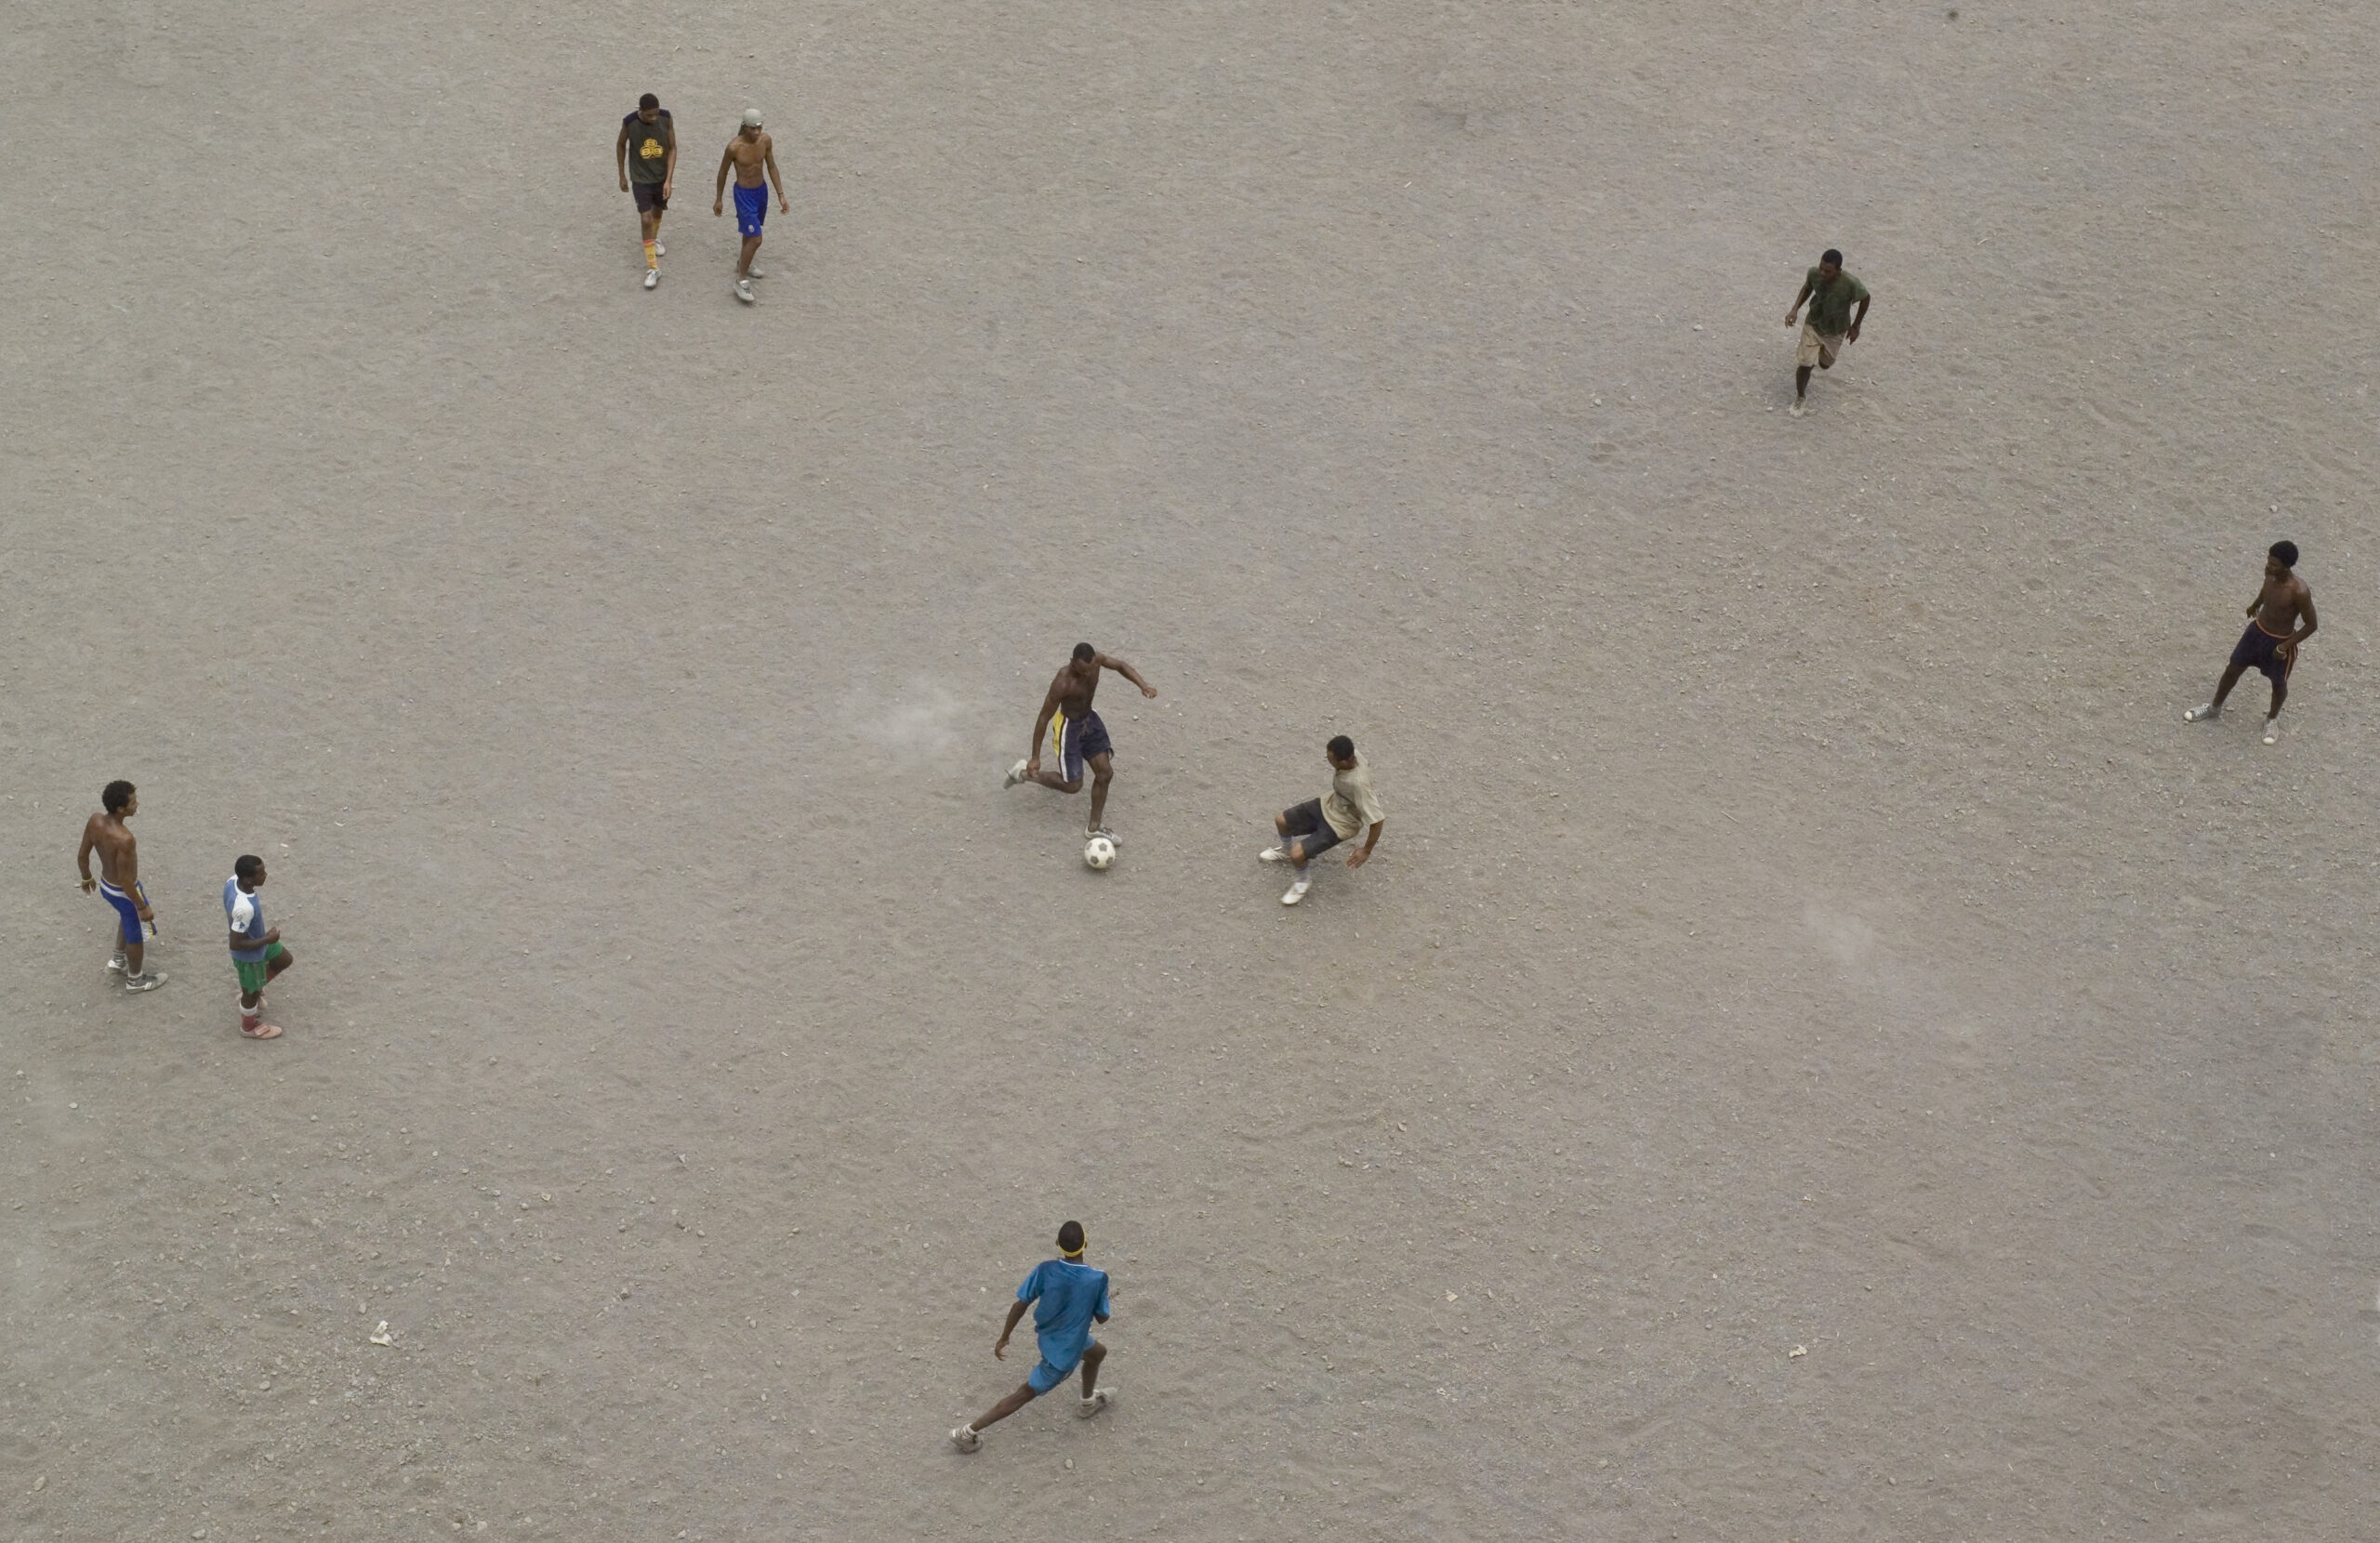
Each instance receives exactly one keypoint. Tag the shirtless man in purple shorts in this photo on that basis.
(1077, 738)
(119, 881)
(2270, 643)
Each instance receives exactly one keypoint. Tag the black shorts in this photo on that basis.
(648, 197)
(2260, 650)
(1307, 826)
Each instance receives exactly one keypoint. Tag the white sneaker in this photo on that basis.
(754, 272)
(652, 277)
(1297, 890)
(2272, 731)
(1274, 854)
(115, 961)
(2201, 713)
(966, 1438)
(659, 250)
(1099, 1399)
(1015, 775)
(1113, 839)
(149, 980)
(744, 291)
(1799, 408)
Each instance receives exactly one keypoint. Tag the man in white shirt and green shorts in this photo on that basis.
(1318, 824)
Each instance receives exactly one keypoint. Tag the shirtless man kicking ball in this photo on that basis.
(1077, 737)
(749, 155)
(119, 881)
(2270, 642)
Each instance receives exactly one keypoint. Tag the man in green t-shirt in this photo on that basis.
(1833, 323)
(647, 152)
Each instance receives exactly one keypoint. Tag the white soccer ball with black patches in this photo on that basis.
(1098, 852)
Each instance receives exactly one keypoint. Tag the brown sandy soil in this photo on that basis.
(1804, 920)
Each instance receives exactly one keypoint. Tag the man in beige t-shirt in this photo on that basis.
(1318, 824)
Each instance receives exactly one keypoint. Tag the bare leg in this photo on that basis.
(744, 263)
(1802, 382)
(2232, 678)
(1281, 828)
(1090, 1360)
(273, 966)
(1005, 1408)
(132, 952)
(652, 224)
(1103, 771)
(1056, 782)
(2279, 695)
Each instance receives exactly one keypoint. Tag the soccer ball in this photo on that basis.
(1098, 852)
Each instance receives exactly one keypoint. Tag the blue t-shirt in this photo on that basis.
(247, 910)
(1071, 1296)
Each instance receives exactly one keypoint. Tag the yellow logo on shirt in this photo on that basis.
(654, 150)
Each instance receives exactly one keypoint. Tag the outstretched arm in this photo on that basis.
(1129, 673)
(1015, 1312)
(1799, 296)
(1040, 726)
(1357, 858)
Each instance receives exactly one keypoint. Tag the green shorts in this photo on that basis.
(251, 975)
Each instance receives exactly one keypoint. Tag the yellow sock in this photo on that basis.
(649, 260)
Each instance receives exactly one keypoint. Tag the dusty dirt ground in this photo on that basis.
(1803, 923)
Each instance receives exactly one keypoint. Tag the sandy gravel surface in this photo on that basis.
(1803, 922)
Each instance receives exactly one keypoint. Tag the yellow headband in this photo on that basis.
(1076, 1253)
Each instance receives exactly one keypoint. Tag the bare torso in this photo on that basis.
(1074, 686)
(119, 856)
(751, 155)
(2283, 602)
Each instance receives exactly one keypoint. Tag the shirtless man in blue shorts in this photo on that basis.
(1072, 1295)
(119, 880)
(1077, 738)
(749, 155)
(2270, 643)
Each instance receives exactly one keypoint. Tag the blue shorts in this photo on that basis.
(129, 928)
(1075, 741)
(751, 207)
(1045, 1376)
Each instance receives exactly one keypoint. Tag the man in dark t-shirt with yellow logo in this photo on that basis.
(648, 157)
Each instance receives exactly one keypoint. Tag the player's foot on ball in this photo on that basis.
(2272, 731)
(259, 1030)
(652, 277)
(966, 1439)
(1015, 775)
(148, 980)
(1273, 855)
(1113, 839)
(1297, 890)
(2201, 713)
(744, 291)
(1799, 408)
(1099, 1399)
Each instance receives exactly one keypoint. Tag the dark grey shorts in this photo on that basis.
(648, 197)
(1307, 825)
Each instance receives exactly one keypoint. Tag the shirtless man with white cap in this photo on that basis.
(749, 153)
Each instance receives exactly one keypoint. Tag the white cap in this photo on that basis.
(751, 117)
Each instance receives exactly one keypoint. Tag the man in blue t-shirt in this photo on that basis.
(1072, 1295)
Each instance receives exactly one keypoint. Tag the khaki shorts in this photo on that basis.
(1816, 350)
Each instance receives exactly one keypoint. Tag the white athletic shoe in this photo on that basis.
(1274, 854)
(966, 1438)
(1099, 1399)
(1015, 774)
(1113, 839)
(1799, 408)
(2272, 731)
(2201, 713)
(659, 250)
(652, 277)
(1297, 890)
(744, 291)
(149, 980)
(754, 271)
(115, 961)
